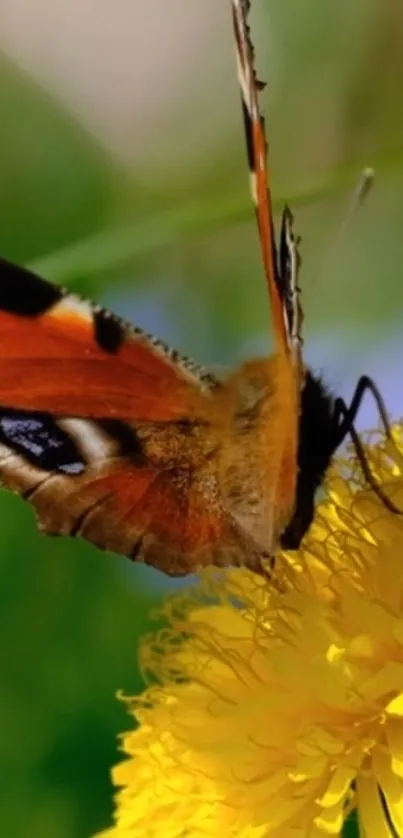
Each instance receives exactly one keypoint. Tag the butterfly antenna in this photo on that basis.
(344, 418)
(360, 193)
(358, 197)
(281, 272)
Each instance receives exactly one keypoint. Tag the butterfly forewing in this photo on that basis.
(275, 433)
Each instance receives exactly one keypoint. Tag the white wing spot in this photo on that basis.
(92, 443)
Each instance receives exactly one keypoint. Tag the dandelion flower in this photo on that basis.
(276, 711)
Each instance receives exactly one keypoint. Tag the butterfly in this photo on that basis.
(114, 437)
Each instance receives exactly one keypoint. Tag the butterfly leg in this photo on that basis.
(344, 417)
(348, 414)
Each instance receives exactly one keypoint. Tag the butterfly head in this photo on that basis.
(317, 442)
(324, 424)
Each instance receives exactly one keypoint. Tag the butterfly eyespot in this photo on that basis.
(40, 441)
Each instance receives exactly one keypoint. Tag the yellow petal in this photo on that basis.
(388, 780)
(331, 820)
(338, 787)
(372, 816)
(394, 735)
(395, 707)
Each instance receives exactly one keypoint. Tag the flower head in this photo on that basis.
(276, 710)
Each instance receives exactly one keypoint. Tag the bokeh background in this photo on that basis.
(122, 175)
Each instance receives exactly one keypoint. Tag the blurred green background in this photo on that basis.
(122, 175)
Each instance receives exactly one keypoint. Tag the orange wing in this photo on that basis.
(60, 353)
(106, 431)
(281, 267)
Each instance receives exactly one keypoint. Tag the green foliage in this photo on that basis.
(351, 826)
(70, 618)
(55, 184)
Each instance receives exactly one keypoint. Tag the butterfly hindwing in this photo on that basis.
(106, 432)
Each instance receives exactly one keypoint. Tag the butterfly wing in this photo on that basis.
(60, 353)
(105, 431)
(281, 267)
(281, 270)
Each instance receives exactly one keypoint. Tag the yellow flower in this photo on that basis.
(275, 711)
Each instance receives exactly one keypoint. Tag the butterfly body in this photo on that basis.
(259, 448)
